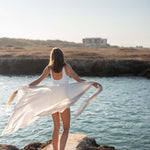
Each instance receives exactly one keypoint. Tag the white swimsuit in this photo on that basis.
(37, 101)
(63, 80)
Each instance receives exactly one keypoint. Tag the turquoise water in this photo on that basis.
(119, 116)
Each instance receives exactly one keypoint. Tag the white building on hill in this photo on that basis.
(94, 42)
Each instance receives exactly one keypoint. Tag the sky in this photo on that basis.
(122, 22)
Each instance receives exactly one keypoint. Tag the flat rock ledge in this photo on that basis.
(74, 142)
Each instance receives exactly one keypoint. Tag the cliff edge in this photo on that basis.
(101, 68)
(101, 62)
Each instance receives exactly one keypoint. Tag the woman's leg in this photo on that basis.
(55, 135)
(65, 116)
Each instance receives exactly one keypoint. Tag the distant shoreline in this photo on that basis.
(22, 57)
(99, 68)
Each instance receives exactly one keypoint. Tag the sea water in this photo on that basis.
(119, 116)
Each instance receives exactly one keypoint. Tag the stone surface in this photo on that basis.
(36, 145)
(72, 142)
(81, 142)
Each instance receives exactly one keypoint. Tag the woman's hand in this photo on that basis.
(11, 99)
(97, 85)
(34, 83)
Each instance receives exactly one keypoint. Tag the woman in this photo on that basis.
(59, 103)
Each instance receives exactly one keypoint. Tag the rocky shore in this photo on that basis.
(85, 67)
(74, 142)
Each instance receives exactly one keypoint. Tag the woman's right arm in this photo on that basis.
(45, 73)
(11, 99)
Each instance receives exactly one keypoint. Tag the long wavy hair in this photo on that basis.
(56, 61)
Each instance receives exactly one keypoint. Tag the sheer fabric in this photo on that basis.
(38, 101)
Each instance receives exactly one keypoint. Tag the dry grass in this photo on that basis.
(77, 53)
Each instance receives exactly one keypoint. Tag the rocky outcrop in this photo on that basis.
(74, 142)
(88, 143)
(31, 146)
(82, 67)
(37, 145)
(8, 147)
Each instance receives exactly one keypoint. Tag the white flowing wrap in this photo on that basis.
(37, 101)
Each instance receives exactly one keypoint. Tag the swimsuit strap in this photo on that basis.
(63, 72)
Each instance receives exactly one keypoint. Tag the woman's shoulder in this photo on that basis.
(47, 68)
(67, 68)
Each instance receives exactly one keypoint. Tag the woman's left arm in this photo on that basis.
(74, 75)
(45, 73)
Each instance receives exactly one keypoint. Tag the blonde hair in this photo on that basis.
(56, 61)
